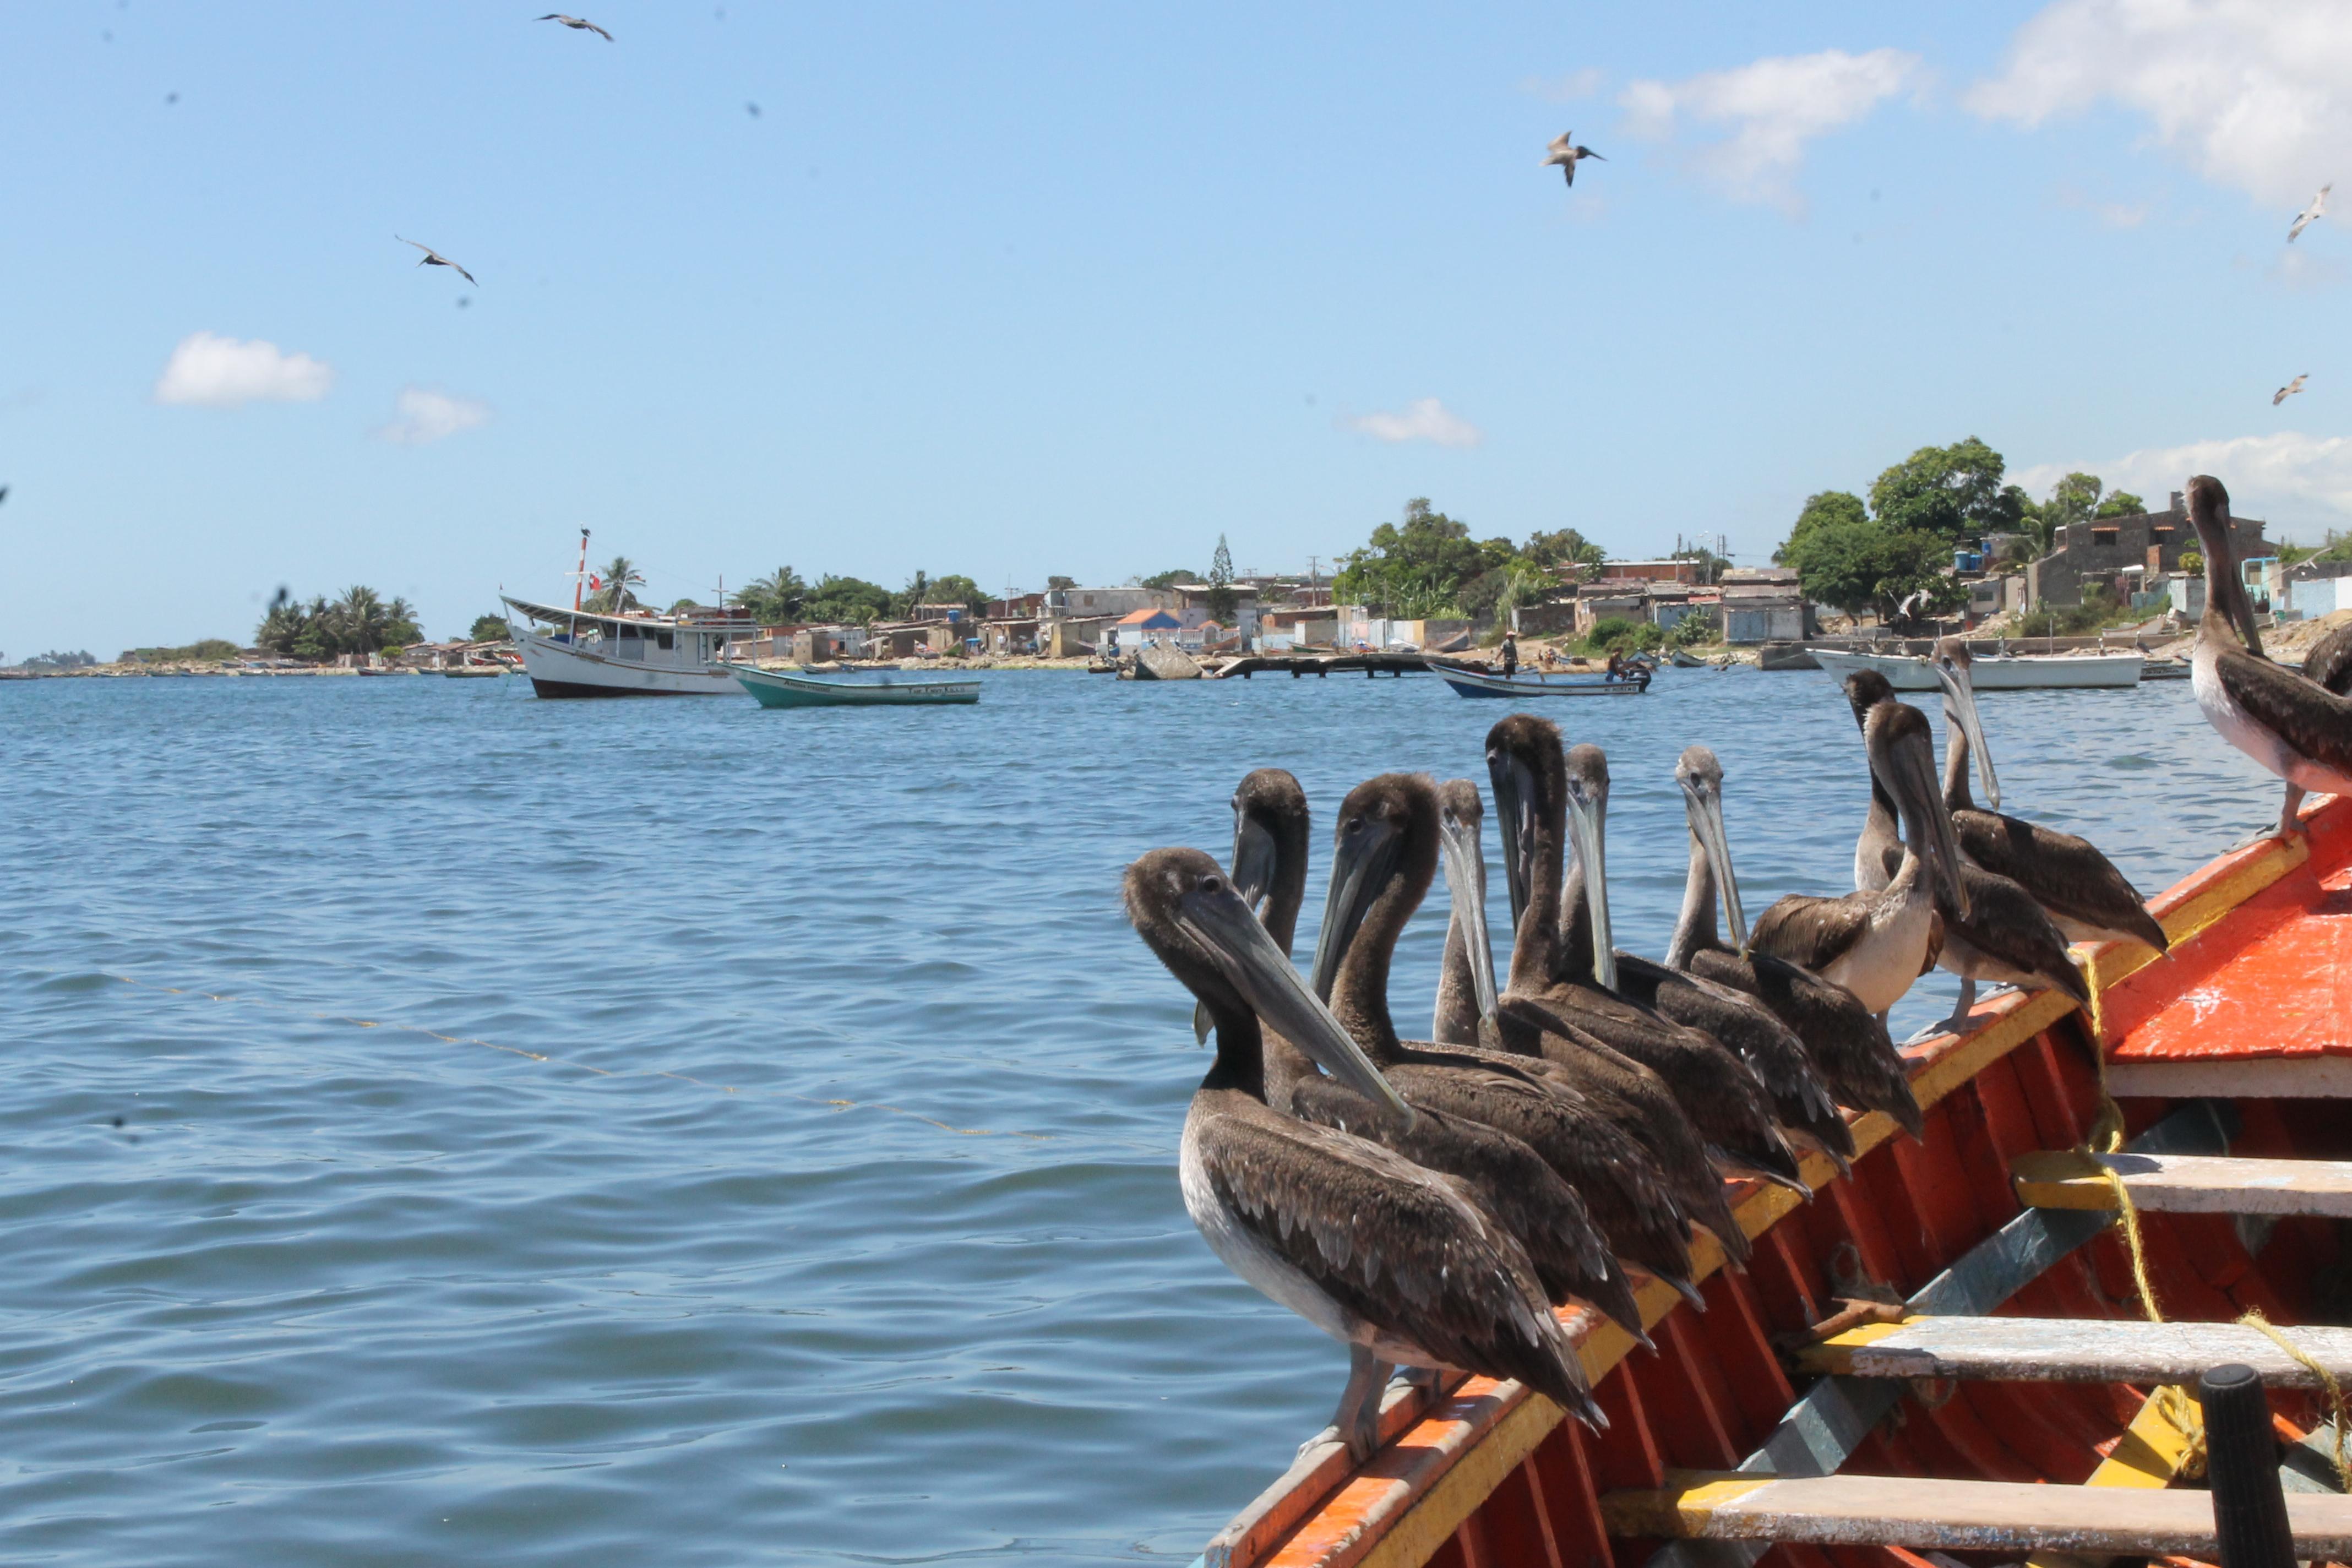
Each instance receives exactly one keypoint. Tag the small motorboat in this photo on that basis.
(1474, 683)
(2008, 672)
(789, 689)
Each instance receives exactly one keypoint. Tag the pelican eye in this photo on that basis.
(1212, 883)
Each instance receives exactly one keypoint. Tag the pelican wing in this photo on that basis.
(1813, 932)
(2005, 924)
(2328, 664)
(1404, 1248)
(2066, 876)
(1561, 142)
(2313, 720)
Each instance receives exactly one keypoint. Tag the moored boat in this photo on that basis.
(2222, 1060)
(583, 653)
(2008, 672)
(791, 688)
(1468, 682)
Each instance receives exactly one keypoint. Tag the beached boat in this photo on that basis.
(1469, 682)
(2008, 672)
(792, 689)
(1960, 1312)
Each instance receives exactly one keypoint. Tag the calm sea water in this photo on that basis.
(444, 1126)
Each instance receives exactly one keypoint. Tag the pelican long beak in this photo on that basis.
(1361, 866)
(1466, 883)
(1587, 832)
(1514, 806)
(1705, 813)
(1589, 153)
(1225, 928)
(1912, 763)
(1253, 873)
(1961, 707)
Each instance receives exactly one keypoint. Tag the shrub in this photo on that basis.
(1611, 634)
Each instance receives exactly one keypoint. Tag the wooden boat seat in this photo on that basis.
(2189, 1183)
(1924, 1514)
(2067, 1350)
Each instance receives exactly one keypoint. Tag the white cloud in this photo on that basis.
(2248, 90)
(2281, 478)
(422, 415)
(208, 371)
(1770, 108)
(1425, 419)
(2113, 215)
(1569, 88)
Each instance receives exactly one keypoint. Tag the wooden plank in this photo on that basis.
(2150, 1454)
(2064, 1349)
(2260, 1078)
(1974, 1516)
(2189, 1183)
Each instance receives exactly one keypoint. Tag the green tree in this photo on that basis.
(1822, 509)
(847, 600)
(488, 629)
(1562, 547)
(2123, 503)
(1060, 585)
(1953, 493)
(775, 599)
(615, 582)
(1223, 603)
(1864, 564)
(957, 589)
(1167, 579)
(2074, 498)
(1425, 561)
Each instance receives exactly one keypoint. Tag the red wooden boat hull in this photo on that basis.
(1493, 1475)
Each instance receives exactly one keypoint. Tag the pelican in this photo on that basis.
(2294, 726)
(2289, 390)
(1564, 152)
(1850, 1049)
(1465, 986)
(2077, 887)
(577, 24)
(1400, 1264)
(2329, 662)
(435, 258)
(2310, 214)
(2004, 935)
(1386, 856)
(1877, 943)
(1562, 961)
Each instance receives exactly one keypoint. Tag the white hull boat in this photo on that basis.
(2009, 672)
(588, 655)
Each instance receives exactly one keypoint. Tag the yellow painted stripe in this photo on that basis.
(1835, 1354)
(1676, 1511)
(2061, 1179)
(2149, 1458)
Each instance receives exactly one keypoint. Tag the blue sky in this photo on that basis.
(1015, 291)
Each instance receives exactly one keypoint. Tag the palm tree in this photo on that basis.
(775, 598)
(619, 575)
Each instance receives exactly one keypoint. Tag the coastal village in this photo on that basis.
(2102, 581)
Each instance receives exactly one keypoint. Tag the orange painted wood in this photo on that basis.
(1576, 1500)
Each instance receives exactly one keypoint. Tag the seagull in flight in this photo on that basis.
(435, 258)
(2289, 390)
(577, 24)
(2309, 215)
(1565, 152)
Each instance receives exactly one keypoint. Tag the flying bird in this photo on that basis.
(4, 492)
(577, 24)
(435, 258)
(2311, 213)
(2289, 390)
(1565, 152)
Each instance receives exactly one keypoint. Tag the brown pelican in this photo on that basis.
(1532, 1202)
(1847, 1045)
(2079, 888)
(1563, 151)
(2296, 727)
(2309, 215)
(1877, 943)
(435, 258)
(2289, 390)
(1562, 961)
(1401, 1265)
(577, 24)
(2006, 937)
(2329, 662)
(1465, 986)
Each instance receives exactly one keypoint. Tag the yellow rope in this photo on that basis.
(2179, 1406)
(2253, 1319)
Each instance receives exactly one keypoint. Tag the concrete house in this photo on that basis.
(1764, 603)
(2105, 549)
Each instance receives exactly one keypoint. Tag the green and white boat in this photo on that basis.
(794, 689)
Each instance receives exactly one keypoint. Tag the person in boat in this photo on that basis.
(1510, 655)
(1616, 670)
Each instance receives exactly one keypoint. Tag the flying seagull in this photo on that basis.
(577, 24)
(435, 258)
(2289, 390)
(2309, 215)
(1565, 152)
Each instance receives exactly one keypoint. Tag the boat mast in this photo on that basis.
(579, 582)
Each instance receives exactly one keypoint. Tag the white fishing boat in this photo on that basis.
(580, 653)
(2008, 672)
